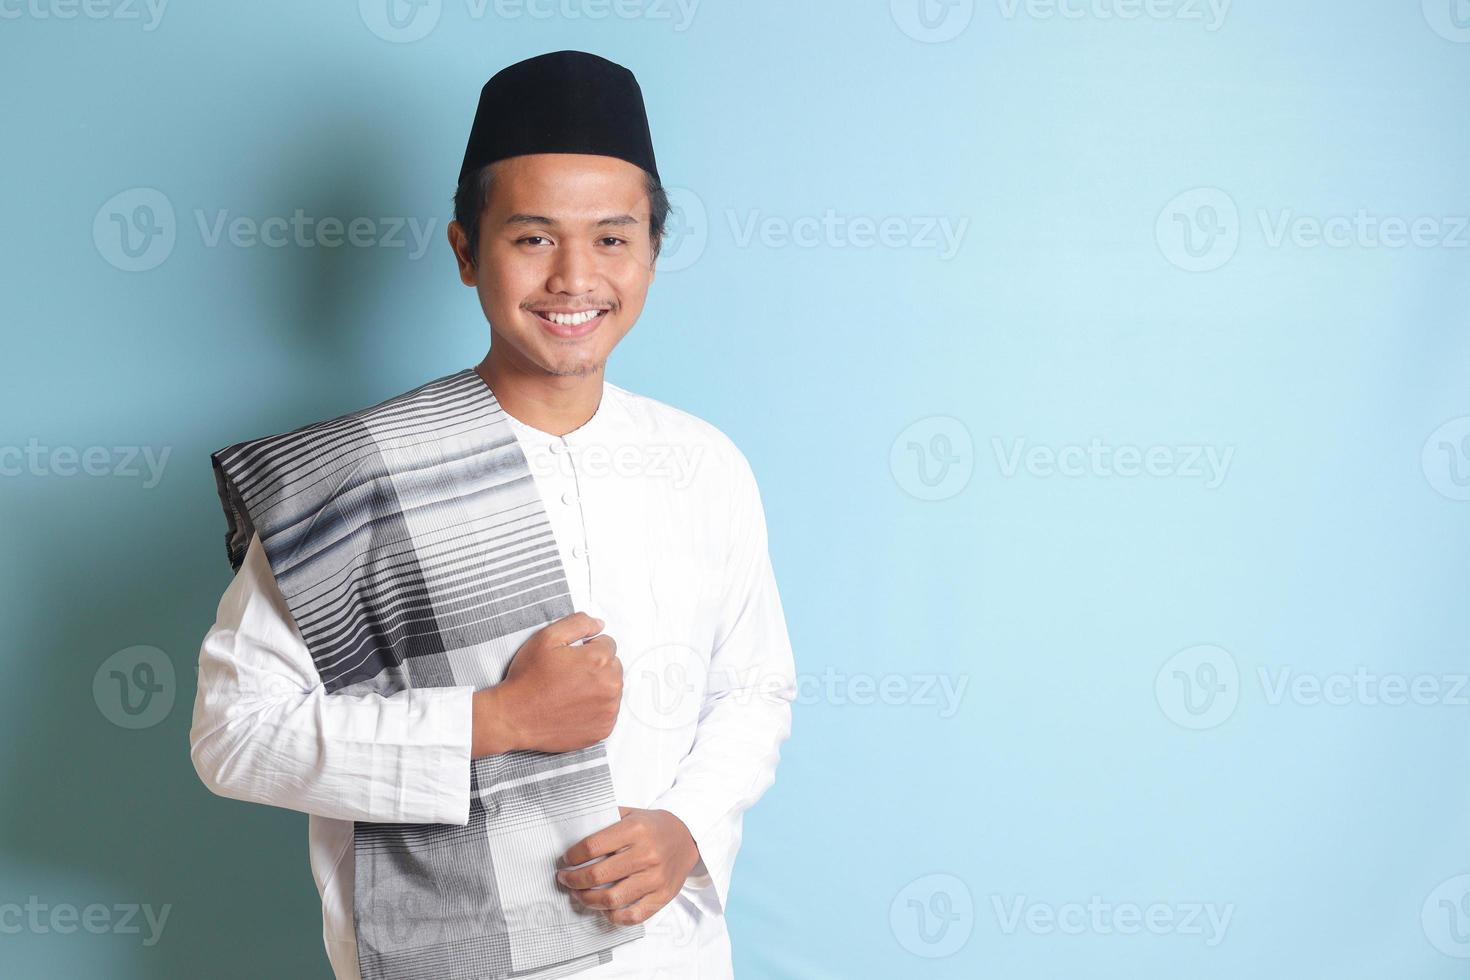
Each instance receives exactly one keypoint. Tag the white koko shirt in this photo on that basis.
(662, 534)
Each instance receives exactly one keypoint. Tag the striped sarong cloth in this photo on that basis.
(413, 550)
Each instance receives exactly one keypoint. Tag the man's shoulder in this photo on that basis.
(657, 420)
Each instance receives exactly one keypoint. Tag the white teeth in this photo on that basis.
(571, 319)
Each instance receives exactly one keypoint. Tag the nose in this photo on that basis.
(572, 270)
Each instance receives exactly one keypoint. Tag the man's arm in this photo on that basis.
(746, 712)
(266, 731)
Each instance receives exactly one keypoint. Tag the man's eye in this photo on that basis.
(613, 241)
(531, 239)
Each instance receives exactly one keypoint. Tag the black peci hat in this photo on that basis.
(562, 102)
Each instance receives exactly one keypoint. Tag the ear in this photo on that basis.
(459, 243)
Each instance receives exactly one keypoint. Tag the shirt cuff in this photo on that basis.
(708, 885)
(448, 725)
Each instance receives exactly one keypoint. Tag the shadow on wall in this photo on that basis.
(117, 814)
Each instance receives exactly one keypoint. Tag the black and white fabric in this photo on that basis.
(412, 547)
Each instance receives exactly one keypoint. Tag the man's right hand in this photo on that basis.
(555, 697)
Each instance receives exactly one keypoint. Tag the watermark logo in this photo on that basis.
(933, 916)
(1362, 229)
(400, 21)
(1446, 459)
(1099, 918)
(1209, 464)
(675, 463)
(933, 458)
(940, 234)
(406, 21)
(664, 685)
(1199, 230)
(1198, 687)
(134, 230)
(676, 924)
(922, 690)
(135, 688)
(148, 12)
(409, 918)
(689, 230)
(1450, 19)
(686, 233)
(40, 460)
(932, 21)
(1446, 917)
(1361, 687)
(398, 916)
(63, 918)
(308, 231)
(1210, 13)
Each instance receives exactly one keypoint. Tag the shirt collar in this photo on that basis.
(598, 427)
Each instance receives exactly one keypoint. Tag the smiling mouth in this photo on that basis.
(575, 324)
(569, 319)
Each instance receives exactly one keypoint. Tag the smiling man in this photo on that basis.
(511, 638)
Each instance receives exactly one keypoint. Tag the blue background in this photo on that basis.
(881, 390)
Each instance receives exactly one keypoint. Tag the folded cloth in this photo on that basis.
(413, 550)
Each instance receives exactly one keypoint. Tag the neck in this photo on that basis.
(552, 403)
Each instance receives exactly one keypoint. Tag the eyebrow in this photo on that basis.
(538, 219)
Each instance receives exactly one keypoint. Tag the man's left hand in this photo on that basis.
(646, 857)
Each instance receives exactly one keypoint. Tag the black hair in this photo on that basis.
(474, 191)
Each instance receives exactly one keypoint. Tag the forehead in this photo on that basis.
(568, 186)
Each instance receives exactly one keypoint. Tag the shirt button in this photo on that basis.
(579, 552)
(558, 447)
(569, 498)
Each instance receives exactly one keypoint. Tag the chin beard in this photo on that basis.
(577, 370)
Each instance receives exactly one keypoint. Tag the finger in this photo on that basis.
(623, 811)
(605, 872)
(571, 628)
(619, 894)
(602, 645)
(605, 841)
(640, 911)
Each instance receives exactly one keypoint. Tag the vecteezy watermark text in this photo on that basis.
(136, 230)
(1210, 13)
(308, 231)
(936, 21)
(1200, 230)
(120, 10)
(1362, 686)
(1096, 459)
(1099, 918)
(833, 687)
(677, 462)
(937, 233)
(37, 459)
(406, 21)
(1201, 686)
(64, 918)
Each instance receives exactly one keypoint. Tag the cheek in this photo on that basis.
(631, 280)
(505, 284)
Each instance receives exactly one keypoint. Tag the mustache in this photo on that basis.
(544, 307)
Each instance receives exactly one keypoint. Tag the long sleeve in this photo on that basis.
(746, 712)
(266, 731)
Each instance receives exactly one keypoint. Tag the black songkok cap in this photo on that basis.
(563, 102)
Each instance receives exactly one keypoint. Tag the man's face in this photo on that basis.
(564, 236)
